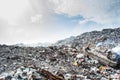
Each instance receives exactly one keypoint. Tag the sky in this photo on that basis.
(35, 21)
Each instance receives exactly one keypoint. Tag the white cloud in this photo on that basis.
(36, 18)
(84, 21)
(37, 23)
(94, 10)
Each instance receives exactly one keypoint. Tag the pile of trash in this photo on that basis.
(80, 69)
(29, 73)
(61, 62)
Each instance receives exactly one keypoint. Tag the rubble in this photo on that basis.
(62, 62)
(29, 73)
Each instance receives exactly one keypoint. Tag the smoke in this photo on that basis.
(116, 49)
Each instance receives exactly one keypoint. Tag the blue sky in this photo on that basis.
(34, 21)
(64, 21)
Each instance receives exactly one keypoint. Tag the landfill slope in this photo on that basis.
(61, 62)
(106, 37)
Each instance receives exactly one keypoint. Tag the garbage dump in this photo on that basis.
(111, 57)
(65, 61)
(29, 73)
(53, 63)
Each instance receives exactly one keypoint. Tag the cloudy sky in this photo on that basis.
(33, 21)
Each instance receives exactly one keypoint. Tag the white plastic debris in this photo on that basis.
(67, 76)
(79, 55)
(116, 49)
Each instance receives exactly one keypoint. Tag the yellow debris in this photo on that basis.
(102, 68)
(75, 63)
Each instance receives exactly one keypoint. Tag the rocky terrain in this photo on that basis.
(63, 61)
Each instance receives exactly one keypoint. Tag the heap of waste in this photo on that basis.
(63, 61)
(29, 73)
(55, 63)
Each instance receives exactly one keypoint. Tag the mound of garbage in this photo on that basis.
(29, 73)
(53, 63)
(61, 62)
(105, 38)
